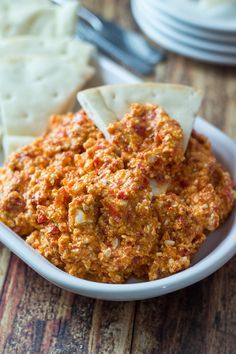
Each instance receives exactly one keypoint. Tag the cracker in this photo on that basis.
(32, 88)
(13, 143)
(33, 46)
(106, 104)
(37, 17)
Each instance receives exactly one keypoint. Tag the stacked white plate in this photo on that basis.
(190, 28)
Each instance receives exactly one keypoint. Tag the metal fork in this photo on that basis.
(122, 44)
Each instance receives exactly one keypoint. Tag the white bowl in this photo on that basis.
(200, 43)
(177, 46)
(216, 18)
(219, 247)
(179, 26)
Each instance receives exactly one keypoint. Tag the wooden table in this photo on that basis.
(37, 317)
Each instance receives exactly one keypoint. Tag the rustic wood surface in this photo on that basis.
(38, 317)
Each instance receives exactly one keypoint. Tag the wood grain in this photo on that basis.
(198, 319)
(37, 317)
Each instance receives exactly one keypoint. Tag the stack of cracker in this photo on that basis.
(41, 67)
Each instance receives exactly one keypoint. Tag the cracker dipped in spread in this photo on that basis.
(86, 203)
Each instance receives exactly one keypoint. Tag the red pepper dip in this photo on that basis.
(87, 205)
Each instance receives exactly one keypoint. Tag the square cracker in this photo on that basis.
(37, 17)
(32, 88)
(46, 46)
